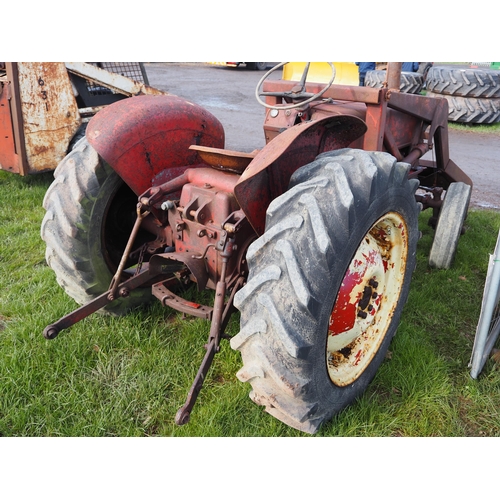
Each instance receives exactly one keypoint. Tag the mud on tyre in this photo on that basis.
(90, 212)
(327, 283)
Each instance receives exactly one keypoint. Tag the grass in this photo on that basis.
(489, 128)
(128, 376)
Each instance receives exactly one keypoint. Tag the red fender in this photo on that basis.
(146, 139)
(269, 173)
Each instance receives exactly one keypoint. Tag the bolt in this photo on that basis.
(167, 205)
(50, 332)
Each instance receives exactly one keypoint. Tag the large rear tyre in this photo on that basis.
(471, 109)
(327, 283)
(464, 82)
(89, 215)
(423, 69)
(449, 226)
(410, 83)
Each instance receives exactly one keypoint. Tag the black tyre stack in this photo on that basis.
(473, 94)
(411, 83)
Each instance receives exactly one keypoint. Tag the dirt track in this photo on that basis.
(229, 94)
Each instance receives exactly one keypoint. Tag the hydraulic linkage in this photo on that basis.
(158, 274)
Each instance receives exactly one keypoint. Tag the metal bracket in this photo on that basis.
(221, 314)
(170, 299)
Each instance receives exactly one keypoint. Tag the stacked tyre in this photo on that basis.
(473, 94)
(411, 83)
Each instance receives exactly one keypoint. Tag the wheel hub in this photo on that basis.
(367, 299)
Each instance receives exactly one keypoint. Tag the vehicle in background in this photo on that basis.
(261, 66)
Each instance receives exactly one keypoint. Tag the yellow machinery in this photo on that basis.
(346, 73)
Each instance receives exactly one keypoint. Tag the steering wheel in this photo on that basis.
(297, 92)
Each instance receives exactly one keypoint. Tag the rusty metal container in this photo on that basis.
(44, 105)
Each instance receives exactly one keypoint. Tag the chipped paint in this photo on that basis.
(49, 113)
(367, 298)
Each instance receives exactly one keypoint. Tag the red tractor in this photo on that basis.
(313, 238)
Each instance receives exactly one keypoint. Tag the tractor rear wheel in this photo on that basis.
(327, 283)
(89, 215)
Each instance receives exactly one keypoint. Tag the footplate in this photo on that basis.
(170, 299)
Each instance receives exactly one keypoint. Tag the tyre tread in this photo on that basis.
(464, 82)
(274, 349)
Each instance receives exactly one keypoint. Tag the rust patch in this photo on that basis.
(49, 113)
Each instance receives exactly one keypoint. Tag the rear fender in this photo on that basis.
(146, 139)
(268, 175)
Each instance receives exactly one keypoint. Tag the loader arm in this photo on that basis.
(118, 83)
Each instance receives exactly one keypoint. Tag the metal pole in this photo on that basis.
(486, 332)
(394, 75)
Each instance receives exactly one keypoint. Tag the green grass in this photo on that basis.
(488, 128)
(128, 376)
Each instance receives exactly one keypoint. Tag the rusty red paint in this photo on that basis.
(384, 263)
(145, 136)
(358, 357)
(344, 312)
(194, 305)
(268, 175)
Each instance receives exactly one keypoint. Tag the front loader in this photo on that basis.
(313, 238)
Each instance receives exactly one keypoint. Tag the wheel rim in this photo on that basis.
(367, 299)
(116, 225)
